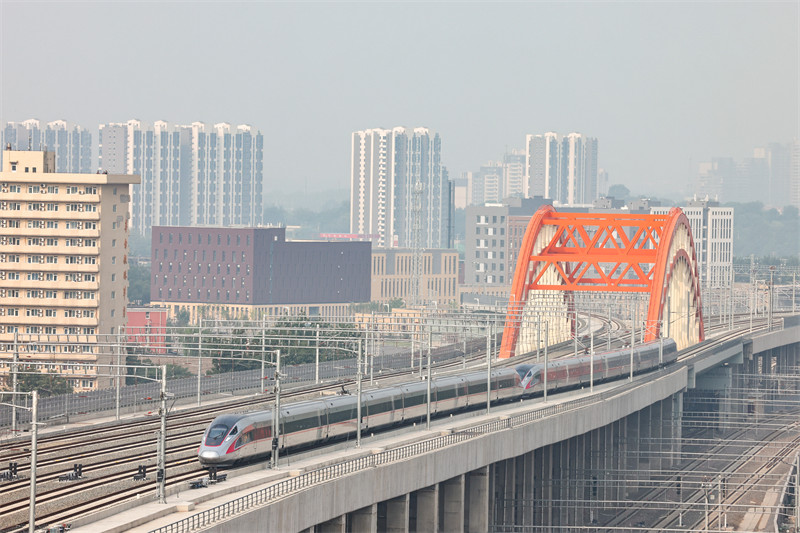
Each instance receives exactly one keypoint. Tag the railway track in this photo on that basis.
(114, 477)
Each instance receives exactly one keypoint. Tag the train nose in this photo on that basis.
(209, 456)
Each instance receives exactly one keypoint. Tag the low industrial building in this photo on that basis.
(254, 273)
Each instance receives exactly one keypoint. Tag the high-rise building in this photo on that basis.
(191, 174)
(514, 174)
(485, 185)
(562, 168)
(399, 191)
(765, 177)
(63, 265)
(72, 145)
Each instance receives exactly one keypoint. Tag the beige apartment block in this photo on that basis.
(63, 267)
(392, 269)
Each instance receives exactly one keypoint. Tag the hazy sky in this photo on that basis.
(661, 85)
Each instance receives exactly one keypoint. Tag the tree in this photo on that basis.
(139, 284)
(619, 191)
(173, 371)
(48, 384)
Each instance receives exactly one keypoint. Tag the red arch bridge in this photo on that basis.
(565, 253)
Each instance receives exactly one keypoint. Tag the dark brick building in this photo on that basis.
(247, 272)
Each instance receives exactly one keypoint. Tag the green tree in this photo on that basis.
(139, 284)
(619, 191)
(47, 383)
(173, 371)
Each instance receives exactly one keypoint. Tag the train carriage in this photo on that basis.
(234, 438)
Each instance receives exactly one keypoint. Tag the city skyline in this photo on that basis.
(616, 70)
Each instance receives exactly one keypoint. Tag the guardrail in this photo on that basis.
(284, 488)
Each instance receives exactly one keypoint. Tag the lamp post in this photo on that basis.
(488, 370)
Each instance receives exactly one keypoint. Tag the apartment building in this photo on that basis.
(400, 193)
(63, 265)
(191, 174)
(563, 168)
(72, 145)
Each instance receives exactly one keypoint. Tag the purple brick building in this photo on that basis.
(247, 272)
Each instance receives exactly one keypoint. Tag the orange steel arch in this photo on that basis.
(609, 252)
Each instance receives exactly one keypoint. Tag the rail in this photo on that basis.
(141, 395)
(284, 488)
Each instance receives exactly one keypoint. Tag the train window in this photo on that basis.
(445, 392)
(234, 431)
(380, 407)
(244, 439)
(415, 398)
(475, 388)
(216, 434)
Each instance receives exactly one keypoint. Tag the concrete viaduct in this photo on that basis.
(511, 467)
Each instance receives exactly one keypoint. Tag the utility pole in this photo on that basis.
(358, 395)
(316, 359)
(488, 370)
(575, 334)
(591, 355)
(199, 359)
(34, 435)
(546, 342)
(771, 294)
(161, 474)
(276, 414)
(633, 341)
(119, 366)
(428, 412)
(14, 385)
(538, 334)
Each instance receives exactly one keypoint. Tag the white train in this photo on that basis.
(236, 438)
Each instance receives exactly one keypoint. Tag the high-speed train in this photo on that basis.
(238, 438)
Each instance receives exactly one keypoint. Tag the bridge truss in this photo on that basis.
(565, 253)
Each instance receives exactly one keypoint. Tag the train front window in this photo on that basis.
(216, 435)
